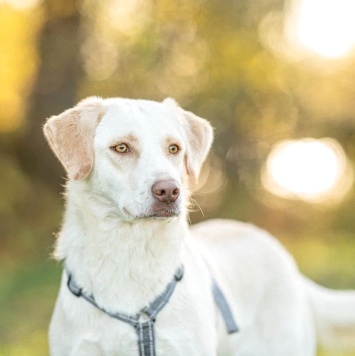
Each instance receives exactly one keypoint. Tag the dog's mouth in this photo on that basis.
(156, 211)
(165, 213)
(161, 213)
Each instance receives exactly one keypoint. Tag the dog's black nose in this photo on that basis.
(166, 191)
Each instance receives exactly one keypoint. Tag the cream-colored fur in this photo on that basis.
(124, 255)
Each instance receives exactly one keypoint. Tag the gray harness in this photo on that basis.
(145, 328)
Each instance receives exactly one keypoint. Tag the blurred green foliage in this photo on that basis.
(219, 59)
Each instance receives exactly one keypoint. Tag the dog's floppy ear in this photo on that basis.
(199, 137)
(71, 135)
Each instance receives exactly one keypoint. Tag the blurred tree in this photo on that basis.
(54, 89)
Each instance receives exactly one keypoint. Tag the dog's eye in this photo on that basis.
(121, 148)
(174, 149)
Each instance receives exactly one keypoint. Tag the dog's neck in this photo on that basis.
(124, 265)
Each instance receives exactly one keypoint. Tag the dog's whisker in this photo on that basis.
(188, 218)
(198, 205)
(200, 193)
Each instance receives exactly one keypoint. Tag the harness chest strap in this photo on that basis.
(145, 329)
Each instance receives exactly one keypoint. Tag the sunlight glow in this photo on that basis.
(21, 4)
(326, 27)
(308, 169)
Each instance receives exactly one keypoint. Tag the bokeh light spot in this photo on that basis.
(315, 170)
(21, 4)
(326, 27)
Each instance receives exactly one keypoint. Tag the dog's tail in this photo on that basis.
(334, 316)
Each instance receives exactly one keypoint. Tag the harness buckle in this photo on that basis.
(179, 274)
(146, 314)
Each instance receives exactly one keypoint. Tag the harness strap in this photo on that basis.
(224, 308)
(158, 303)
(78, 292)
(144, 329)
(146, 341)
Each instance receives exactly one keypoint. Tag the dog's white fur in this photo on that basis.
(124, 256)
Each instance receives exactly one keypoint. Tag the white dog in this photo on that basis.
(138, 280)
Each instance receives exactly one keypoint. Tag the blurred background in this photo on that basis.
(275, 78)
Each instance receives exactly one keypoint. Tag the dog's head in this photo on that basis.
(136, 154)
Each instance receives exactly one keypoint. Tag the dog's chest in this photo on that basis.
(183, 333)
(185, 326)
